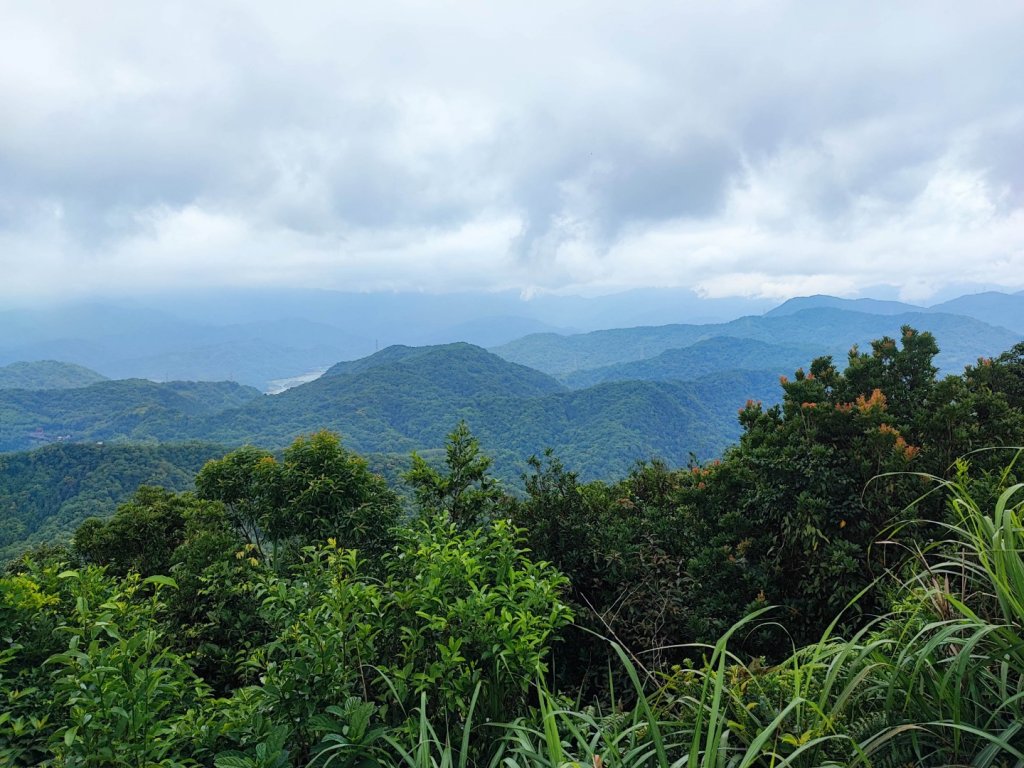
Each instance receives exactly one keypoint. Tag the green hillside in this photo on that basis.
(408, 400)
(601, 431)
(396, 353)
(125, 410)
(47, 374)
(45, 494)
(400, 399)
(404, 399)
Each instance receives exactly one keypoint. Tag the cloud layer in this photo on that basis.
(750, 148)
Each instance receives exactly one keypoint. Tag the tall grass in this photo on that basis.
(938, 682)
(954, 668)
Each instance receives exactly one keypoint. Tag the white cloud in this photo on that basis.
(756, 148)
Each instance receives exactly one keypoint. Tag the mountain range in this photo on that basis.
(403, 399)
(263, 338)
(827, 329)
(602, 400)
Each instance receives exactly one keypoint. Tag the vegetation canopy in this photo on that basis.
(842, 587)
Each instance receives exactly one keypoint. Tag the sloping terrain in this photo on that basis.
(833, 331)
(46, 374)
(721, 353)
(129, 409)
(46, 493)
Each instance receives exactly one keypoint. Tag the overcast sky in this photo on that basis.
(739, 148)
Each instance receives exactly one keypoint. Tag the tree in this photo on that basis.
(329, 492)
(248, 482)
(905, 374)
(143, 533)
(318, 491)
(466, 494)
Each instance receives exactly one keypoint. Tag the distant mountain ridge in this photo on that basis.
(261, 336)
(818, 301)
(1006, 310)
(46, 374)
(833, 331)
(703, 358)
(996, 308)
(264, 337)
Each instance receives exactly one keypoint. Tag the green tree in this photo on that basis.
(317, 491)
(143, 533)
(329, 492)
(248, 482)
(465, 493)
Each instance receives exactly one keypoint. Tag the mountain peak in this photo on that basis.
(822, 301)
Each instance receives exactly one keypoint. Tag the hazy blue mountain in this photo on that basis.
(46, 374)
(993, 307)
(250, 361)
(491, 331)
(89, 321)
(261, 336)
(961, 339)
(424, 318)
(869, 306)
(141, 343)
(720, 353)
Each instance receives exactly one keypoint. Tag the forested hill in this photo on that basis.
(46, 374)
(130, 409)
(407, 399)
(386, 406)
(404, 399)
(833, 331)
(46, 493)
(477, 371)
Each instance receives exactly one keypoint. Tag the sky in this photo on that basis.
(755, 149)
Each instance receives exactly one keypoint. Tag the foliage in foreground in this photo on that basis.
(443, 662)
(287, 615)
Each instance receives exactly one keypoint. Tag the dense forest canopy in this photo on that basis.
(788, 601)
(404, 399)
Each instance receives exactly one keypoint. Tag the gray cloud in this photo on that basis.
(757, 148)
